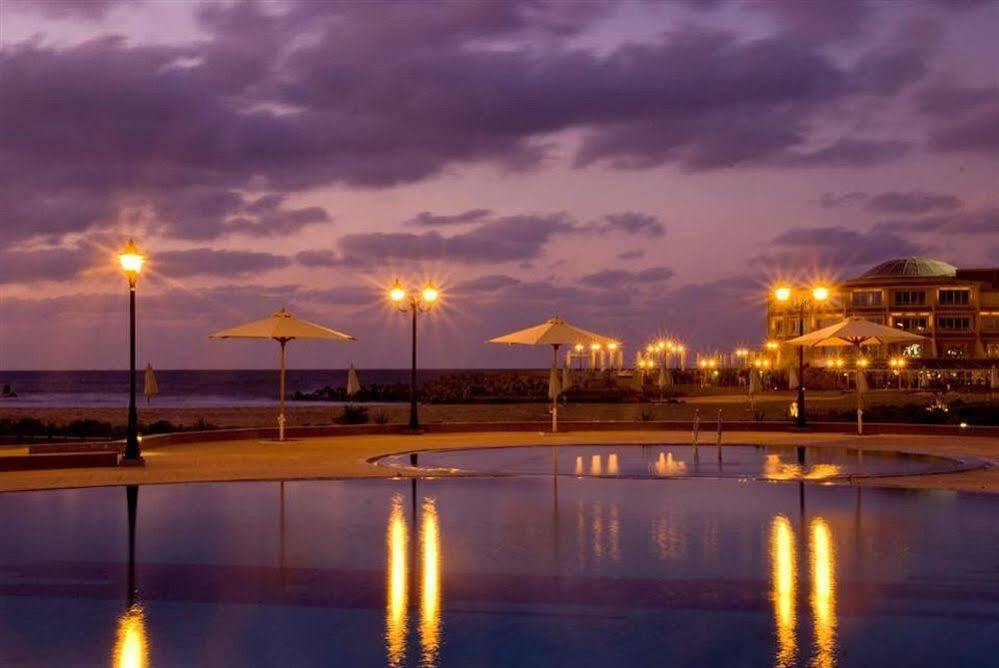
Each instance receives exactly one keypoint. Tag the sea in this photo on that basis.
(185, 388)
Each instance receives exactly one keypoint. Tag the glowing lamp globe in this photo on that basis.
(131, 259)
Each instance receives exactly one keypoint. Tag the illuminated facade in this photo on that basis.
(956, 309)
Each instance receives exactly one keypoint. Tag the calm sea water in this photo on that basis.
(507, 571)
(184, 388)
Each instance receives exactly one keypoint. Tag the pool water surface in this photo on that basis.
(761, 462)
(499, 571)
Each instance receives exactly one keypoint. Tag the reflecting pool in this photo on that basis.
(498, 571)
(762, 462)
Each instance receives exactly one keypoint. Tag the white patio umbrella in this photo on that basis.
(282, 327)
(353, 383)
(151, 387)
(856, 332)
(555, 332)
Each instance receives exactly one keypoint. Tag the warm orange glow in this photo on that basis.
(578, 470)
(772, 345)
(823, 593)
(612, 466)
(595, 346)
(783, 582)
(131, 260)
(579, 347)
(596, 467)
(820, 293)
(397, 293)
(782, 294)
(398, 585)
(131, 649)
(430, 593)
(612, 346)
(665, 465)
(863, 362)
(430, 294)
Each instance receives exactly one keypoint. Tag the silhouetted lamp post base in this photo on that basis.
(140, 461)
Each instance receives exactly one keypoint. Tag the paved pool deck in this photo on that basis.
(346, 456)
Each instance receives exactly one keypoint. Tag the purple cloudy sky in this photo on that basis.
(637, 167)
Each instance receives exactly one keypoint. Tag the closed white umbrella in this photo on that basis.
(282, 327)
(151, 388)
(353, 384)
(566, 378)
(554, 332)
(554, 383)
(862, 389)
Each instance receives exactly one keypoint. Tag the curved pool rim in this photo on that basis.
(962, 464)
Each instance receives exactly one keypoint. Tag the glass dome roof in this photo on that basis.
(911, 266)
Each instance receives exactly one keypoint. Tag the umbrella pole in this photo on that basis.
(283, 343)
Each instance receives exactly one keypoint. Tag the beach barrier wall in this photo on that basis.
(266, 433)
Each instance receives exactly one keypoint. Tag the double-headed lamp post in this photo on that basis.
(131, 263)
(414, 301)
(802, 299)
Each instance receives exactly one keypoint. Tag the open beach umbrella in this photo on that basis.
(353, 383)
(555, 332)
(282, 327)
(151, 387)
(856, 332)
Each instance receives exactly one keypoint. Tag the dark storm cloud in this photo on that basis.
(631, 222)
(488, 283)
(49, 264)
(610, 279)
(834, 200)
(381, 94)
(91, 10)
(963, 118)
(984, 222)
(834, 248)
(913, 202)
(211, 262)
(500, 240)
(428, 219)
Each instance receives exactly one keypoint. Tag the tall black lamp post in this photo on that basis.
(131, 263)
(803, 301)
(415, 302)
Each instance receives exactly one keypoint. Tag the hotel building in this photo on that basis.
(956, 309)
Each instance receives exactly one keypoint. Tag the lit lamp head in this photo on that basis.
(579, 347)
(820, 293)
(782, 293)
(397, 293)
(772, 345)
(649, 348)
(863, 362)
(131, 261)
(430, 294)
(595, 346)
(612, 345)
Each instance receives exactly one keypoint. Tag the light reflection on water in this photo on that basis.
(598, 572)
(131, 649)
(396, 622)
(430, 591)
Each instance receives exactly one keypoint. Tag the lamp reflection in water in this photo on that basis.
(579, 466)
(131, 649)
(596, 466)
(612, 465)
(666, 465)
(783, 560)
(823, 593)
(430, 593)
(398, 584)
